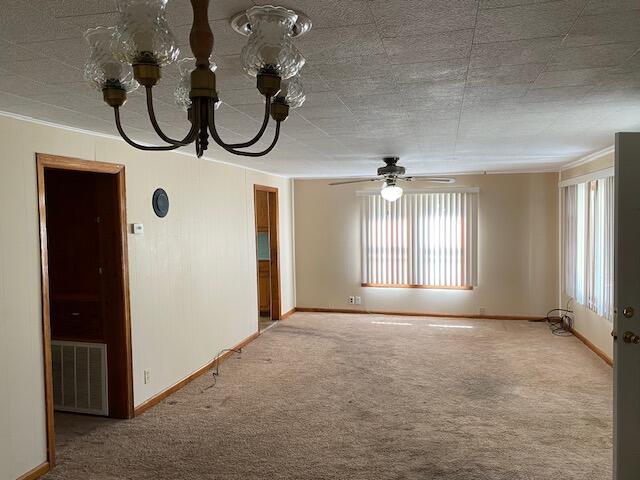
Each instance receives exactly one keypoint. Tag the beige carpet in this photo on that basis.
(340, 397)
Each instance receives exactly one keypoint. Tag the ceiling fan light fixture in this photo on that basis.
(391, 173)
(142, 35)
(390, 192)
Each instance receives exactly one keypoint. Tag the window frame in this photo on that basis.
(586, 269)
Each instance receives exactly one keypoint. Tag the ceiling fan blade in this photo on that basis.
(356, 181)
(429, 179)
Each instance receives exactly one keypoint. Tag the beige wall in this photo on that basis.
(602, 162)
(518, 250)
(192, 274)
(594, 327)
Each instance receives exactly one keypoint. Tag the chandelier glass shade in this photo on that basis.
(143, 34)
(292, 92)
(270, 47)
(132, 54)
(102, 68)
(185, 67)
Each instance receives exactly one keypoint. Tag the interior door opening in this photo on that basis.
(85, 291)
(266, 213)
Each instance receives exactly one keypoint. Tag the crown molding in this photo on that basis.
(440, 174)
(589, 158)
(36, 121)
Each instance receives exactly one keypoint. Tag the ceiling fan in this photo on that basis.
(390, 174)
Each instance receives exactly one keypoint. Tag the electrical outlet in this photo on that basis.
(147, 376)
(482, 311)
(358, 301)
(351, 300)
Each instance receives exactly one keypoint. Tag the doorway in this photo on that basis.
(85, 290)
(267, 255)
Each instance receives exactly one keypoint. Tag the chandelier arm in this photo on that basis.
(134, 144)
(253, 141)
(189, 138)
(251, 154)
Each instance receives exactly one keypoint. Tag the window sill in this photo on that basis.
(428, 287)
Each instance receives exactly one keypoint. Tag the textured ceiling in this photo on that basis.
(448, 85)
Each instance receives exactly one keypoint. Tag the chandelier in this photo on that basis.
(134, 51)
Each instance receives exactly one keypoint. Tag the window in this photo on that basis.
(421, 240)
(588, 229)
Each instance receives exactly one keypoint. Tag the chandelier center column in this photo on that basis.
(201, 36)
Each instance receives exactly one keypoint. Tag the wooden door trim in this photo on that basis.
(274, 243)
(79, 165)
(264, 188)
(43, 162)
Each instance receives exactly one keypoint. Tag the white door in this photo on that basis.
(626, 350)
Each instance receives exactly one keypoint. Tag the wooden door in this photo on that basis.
(267, 251)
(263, 253)
(626, 351)
(264, 290)
(262, 211)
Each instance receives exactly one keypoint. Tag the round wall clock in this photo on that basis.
(160, 203)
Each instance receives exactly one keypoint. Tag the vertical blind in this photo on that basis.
(588, 236)
(422, 239)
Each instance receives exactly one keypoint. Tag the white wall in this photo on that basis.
(592, 326)
(192, 274)
(518, 250)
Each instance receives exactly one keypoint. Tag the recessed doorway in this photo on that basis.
(85, 290)
(267, 258)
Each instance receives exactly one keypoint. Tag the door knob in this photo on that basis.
(630, 337)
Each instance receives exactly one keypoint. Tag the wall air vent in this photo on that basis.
(80, 377)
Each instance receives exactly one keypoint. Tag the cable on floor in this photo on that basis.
(216, 369)
(560, 322)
